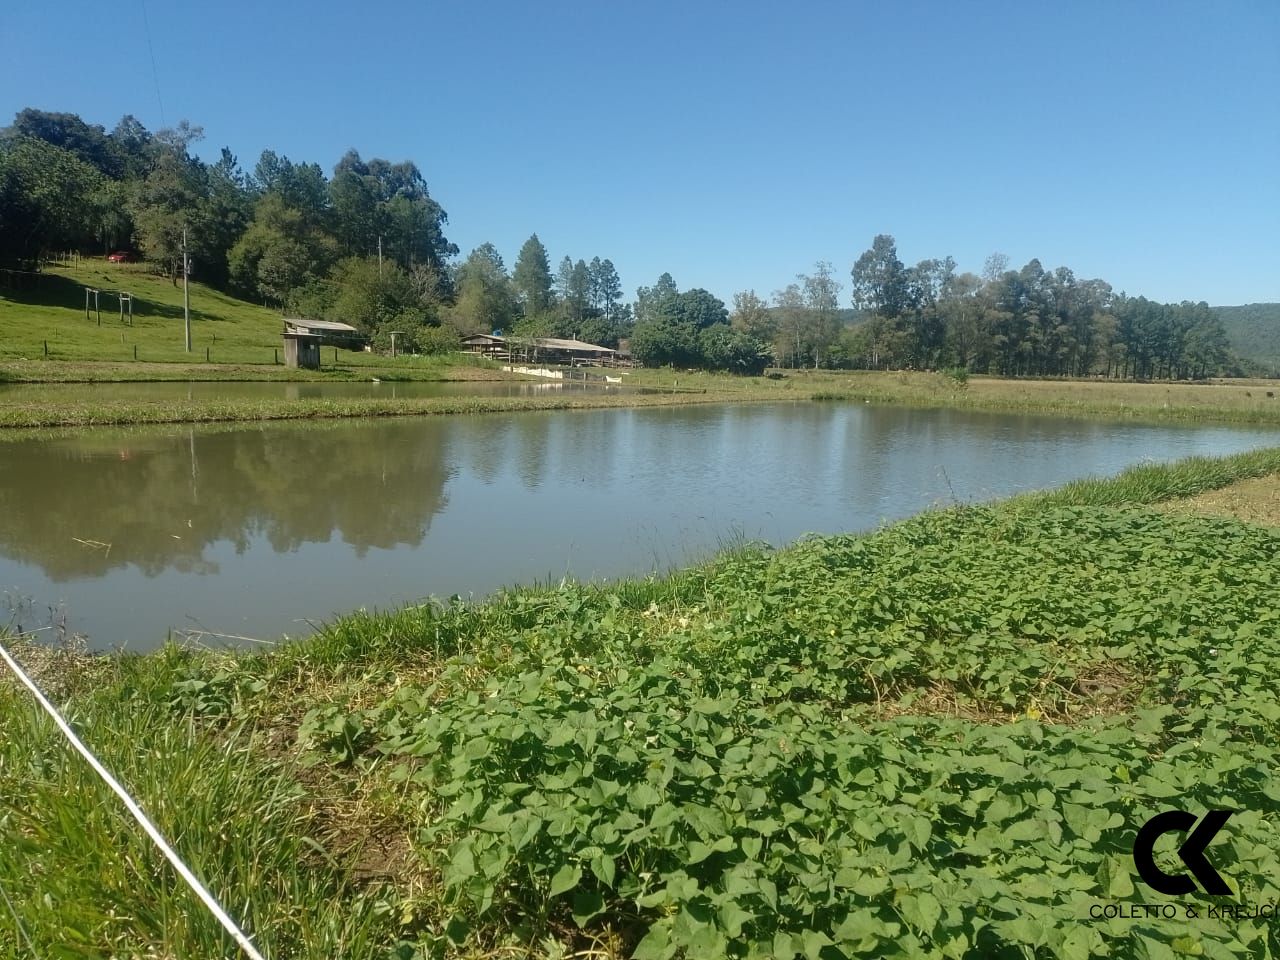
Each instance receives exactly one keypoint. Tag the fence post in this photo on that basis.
(206, 354)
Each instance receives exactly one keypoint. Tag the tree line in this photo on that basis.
(1011, 323)
(1027, 322)
(366, 245)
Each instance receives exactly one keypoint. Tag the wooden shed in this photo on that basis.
(302, 350)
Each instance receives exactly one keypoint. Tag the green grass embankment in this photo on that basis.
(1256, 402)
(935, 740)
(1155, 403)
(88, 411)
(350, 367)
(1156, 483)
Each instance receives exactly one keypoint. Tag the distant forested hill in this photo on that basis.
(1253, 331)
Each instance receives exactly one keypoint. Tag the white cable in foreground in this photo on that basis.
(205, 896)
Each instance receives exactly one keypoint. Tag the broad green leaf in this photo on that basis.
(566, 879)
(921, 910)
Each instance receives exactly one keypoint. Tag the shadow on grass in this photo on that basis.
(52, 290)
(45, 290)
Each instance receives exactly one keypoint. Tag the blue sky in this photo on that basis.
(734, 144)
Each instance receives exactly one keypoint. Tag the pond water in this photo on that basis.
(261, 531)
(220, 390)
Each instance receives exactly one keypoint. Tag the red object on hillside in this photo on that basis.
(121, 256)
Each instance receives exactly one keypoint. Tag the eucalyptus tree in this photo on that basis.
(822, 299)
(356, 202)
(167, 199)
(880, 279)
(752, 316)
(792, 319)
(966, 323)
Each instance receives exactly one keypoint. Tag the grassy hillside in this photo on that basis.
(231, 339)
(1254, 332)
(52, 310)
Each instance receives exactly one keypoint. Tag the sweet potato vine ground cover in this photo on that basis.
(937, 740)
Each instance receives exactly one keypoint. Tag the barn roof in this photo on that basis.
(546, 343)
(555, 343)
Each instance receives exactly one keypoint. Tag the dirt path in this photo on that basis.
(1254, 501)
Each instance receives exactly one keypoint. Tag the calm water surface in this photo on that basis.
(218, 390)
(259, 531)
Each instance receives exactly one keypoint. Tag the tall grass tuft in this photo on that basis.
(1155, 483)
(78, 873)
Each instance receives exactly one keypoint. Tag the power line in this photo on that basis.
(155, 74)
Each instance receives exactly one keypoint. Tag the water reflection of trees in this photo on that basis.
(161, 497)
(84, 505)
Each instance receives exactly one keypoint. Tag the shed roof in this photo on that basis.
(555, 343)
(547, 343)
(330, 325)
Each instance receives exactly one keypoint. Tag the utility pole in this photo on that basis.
(379, 256)
(186, 294)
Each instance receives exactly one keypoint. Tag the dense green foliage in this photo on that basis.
(691, 329)
(367, 246)
(937, 740)
(763, 765)
(1253, 331)
(1028, 322)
